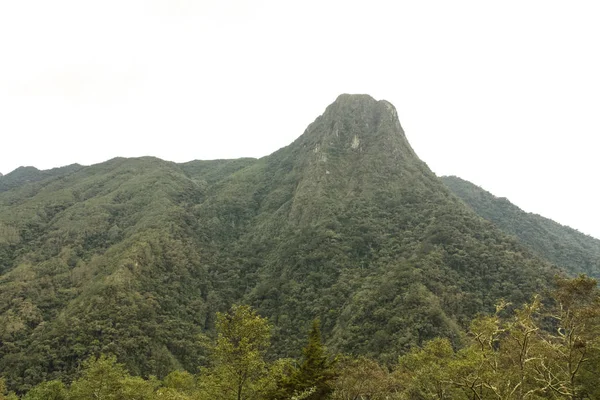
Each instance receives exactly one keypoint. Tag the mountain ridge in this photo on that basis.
(569, 248)
(134, 256)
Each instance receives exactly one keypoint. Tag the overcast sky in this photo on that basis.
(505, 94)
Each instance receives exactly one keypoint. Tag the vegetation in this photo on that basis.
(240, 370)
(24, 175)
(311, 379)
(572, 250)
(546, 349)
(535, 352)
(138, 258)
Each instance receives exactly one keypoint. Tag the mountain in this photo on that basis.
(134, 256)
(23, 175)
(568, 248)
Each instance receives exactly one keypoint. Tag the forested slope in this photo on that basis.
(566, 247)
(134, 256)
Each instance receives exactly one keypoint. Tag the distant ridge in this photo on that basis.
(566, 247)
(23, 175)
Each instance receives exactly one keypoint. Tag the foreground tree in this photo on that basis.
(425, 373)
(3, 393)
(51, 390)
(543, 350)
(317, 368)
(572, 349)
(505, 354)
(538, 351)
(362, 378)
(181, 381)
(101, 378)
(240, 370)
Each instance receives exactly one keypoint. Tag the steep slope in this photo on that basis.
(568, 248)
(348, 224)
(134, 256)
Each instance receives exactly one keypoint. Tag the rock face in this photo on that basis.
(134, 256)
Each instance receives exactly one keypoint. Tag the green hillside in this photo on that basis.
(135, 256)
(568, 248)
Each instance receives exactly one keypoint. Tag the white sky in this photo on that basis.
(505, 94)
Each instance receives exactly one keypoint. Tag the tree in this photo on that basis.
(317, 368)
(137, 388)
(242, 340)
(424, 373)
(50, 390)
(572, 357)
(101, 379)
(182, 381)
(362, 378)
(3, 394)
(506, 353)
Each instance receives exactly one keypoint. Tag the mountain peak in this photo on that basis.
(360, 104)
(358, 124)
(346, 224)
(346, 98)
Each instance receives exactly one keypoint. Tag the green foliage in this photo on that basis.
(50, 390)
(535, 352)
(313, 377)
(3, 392)
(317, 368)
(568, 248)
(546, 349)
(240, 370)
(102, 270)
(181, 381)
(137, 388)
(24, 175)
(362, 378)
(427, 370)
(574, 345)
(101, 378)
(134, 257)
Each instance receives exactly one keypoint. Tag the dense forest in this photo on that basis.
(140, 259)
(574, 251)
(545, 349)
